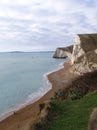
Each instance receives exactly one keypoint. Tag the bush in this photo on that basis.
(76, 90)
(83, 84)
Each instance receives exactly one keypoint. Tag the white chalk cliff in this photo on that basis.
(84, 55)
(63, 52)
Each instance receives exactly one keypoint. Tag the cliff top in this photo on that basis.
(66, 48)
(91, 37)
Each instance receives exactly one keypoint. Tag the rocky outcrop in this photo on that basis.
(84, 56)
(42, 117)
(63, 52)
(93, 120)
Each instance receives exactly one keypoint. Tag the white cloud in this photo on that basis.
(45, 24)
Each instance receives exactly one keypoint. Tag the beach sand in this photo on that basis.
(22, 119)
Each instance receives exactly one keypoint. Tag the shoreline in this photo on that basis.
(29, 100)
(23, 118)
(41, 92)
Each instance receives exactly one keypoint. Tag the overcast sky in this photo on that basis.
(37, 25)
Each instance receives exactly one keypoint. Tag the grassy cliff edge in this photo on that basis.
(71, 111)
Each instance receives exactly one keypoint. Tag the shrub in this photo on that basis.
(83, 84)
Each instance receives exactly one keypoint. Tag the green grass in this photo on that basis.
(71, 115)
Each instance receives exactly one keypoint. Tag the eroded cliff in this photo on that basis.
(63, 52)
(84, 55)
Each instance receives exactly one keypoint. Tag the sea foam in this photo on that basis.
(33, 97)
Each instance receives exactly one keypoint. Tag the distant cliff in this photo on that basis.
(84, 55)
(63, 52)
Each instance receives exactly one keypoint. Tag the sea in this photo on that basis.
(23, 78)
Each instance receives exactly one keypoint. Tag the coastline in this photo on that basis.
(30, 99)
(47, 86)
(23, 118)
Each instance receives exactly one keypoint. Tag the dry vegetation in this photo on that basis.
(82, 85)
(79, 87)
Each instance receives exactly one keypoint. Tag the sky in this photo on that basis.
(44, 25)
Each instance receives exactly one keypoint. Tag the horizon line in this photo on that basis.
(23, 51)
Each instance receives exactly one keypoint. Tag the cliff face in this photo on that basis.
(84, 56)
(63, 52)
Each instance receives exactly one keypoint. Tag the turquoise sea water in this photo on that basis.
(21, 78)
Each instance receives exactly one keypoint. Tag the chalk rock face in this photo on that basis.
(84, 56)
(63, 52)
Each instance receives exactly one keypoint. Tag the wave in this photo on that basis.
(47, 86)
